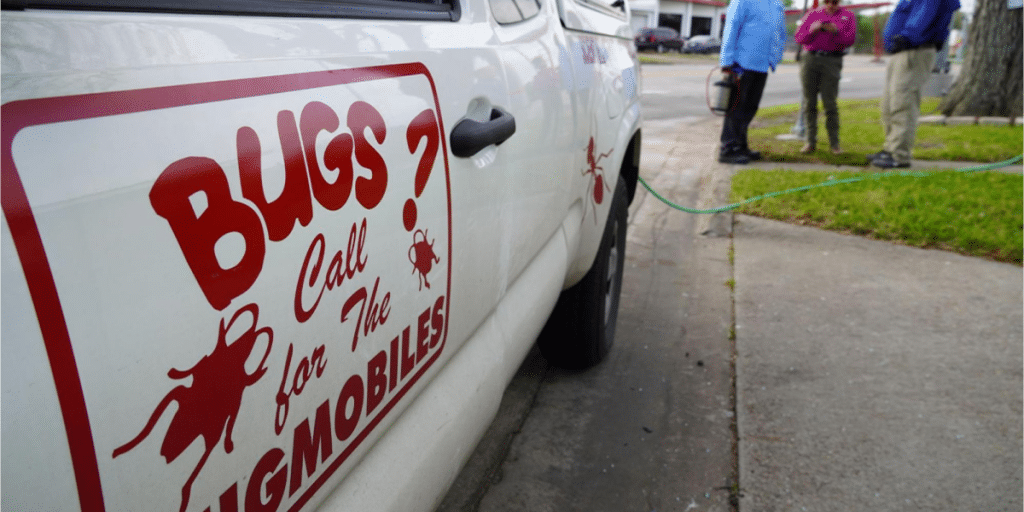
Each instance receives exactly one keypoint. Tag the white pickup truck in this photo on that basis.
(280, 255)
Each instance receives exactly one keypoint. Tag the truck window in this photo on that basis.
(430, 10)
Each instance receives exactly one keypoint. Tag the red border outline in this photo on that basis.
(28, 243)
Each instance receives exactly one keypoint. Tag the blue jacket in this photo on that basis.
(920, 21)
(754, 35)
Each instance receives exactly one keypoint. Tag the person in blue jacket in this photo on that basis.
(915, 31)
(752, 43)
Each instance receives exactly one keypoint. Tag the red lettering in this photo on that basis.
(303, 374)
(360, 263)
(294, 203)
(393, 367)
(376, 381)
(437, 322)
(301, 313)
(378, 313)
(345, 424)
(422, 335)
(197, 235)
(305, 446)
(228, 500)
(408, 360)
(340, 269)
(362, 115)
(274, 488)
(422, 126)
(317, 117)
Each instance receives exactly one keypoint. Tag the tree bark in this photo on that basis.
(990, 80)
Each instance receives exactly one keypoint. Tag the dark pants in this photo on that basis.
(820, 74)
(742, 110)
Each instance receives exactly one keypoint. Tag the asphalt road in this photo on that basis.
(679, 90)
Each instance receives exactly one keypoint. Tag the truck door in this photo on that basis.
(605, 98)
(241, 243)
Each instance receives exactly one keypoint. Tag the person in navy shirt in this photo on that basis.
(752, 44)
(915, 31)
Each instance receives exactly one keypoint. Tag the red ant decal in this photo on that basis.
(597, 185)
(208, 408)
(424, 256)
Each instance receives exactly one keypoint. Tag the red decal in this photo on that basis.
(294, 203)
(422, 126)
(598, 186)
(303, 374)
(345, 425)
(193, 196)
(368, 319)
(344, 265)
(274, 486)
(210, 406)
(317, 117)
(362, 115)
(197, 234)
(305, 445)
(422, 256)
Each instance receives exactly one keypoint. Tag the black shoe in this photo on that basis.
(734, 158)
(886, 161)
(753, 155)
(873, 156)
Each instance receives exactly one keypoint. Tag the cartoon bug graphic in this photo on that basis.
(597, 185)
(422, 256)
(208, 408)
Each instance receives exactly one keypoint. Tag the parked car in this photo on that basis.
(702, 44)
(287, 255)
(660, 39)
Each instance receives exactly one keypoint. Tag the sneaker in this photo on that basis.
(873, 156)
(807, 149)
(734, 158)
(885, 160)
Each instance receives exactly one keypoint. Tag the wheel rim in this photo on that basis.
(612, 274)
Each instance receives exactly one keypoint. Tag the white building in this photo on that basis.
(688, 17)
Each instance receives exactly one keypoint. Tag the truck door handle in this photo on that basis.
(469, 136)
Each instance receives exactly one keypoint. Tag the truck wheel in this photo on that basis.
(581, 329)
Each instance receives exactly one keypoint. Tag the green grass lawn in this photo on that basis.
(861, 132)
(977, 214)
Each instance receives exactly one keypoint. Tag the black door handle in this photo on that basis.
(469, 136)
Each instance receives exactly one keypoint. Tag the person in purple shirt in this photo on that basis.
(825, 33)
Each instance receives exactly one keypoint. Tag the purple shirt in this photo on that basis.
(823, 40)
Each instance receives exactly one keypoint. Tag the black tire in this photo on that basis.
(581, 330)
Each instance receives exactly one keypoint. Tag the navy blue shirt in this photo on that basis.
(920, 21)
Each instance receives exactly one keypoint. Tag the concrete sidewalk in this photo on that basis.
(870, 376)
(873, 376)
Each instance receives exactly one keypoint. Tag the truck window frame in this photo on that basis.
(421, 10)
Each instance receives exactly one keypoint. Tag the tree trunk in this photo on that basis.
(990, 78)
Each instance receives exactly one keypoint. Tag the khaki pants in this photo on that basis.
(906, 74)
(819, 75)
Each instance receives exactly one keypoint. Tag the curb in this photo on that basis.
(968, 120)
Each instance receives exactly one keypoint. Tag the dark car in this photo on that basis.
(702, 44)
(661, 39)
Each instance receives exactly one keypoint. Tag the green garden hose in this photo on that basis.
(829, 183)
